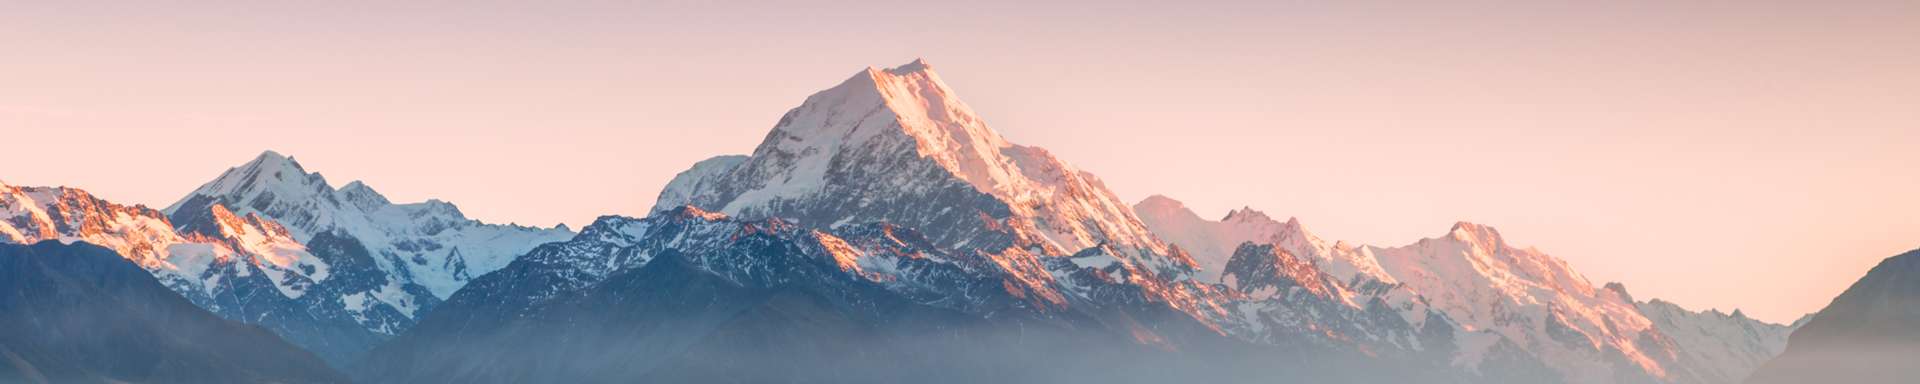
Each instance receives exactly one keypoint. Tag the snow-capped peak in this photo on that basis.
(362, 196)
(1159, 202)
(946, 128)
(1249, 215)
(918, 65)
(1479, 280)
(909, 99)
(1487, 243)
(1484, 236)
(180, 256)
(901, 134)
(427, 243)
(31, 214)
(270, 172)
(271, 161)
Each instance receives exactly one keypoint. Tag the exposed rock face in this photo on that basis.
(1263, 267)
(915, 201)
(896, 145)
(1212, 243)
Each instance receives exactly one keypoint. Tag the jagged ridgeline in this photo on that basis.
(881, 232)
(334, 271)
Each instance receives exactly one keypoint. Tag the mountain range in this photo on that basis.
(881, 232)
(334, 271)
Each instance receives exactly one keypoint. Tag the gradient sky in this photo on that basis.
(1750, 154)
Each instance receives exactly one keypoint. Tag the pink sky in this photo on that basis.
(1759, 155)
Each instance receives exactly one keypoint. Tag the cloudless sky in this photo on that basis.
(1750, 154)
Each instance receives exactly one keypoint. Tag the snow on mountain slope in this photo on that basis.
(888, 144)
(32, 214)
(241, 267)
(1716, 347)
(284, 260)
(1471, 276)
(1536, 300)
(1212, 243)
(1289, 300)
(681, 190)
(144, 236)
(884, 306)
(895, 146)
(891, 256)
(1497, 296)
(430, 243)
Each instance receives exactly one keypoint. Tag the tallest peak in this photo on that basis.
(918, 65)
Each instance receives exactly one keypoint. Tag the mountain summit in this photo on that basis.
(269, 243)
(883, 201)
(429, 244)
(898, 146)
(381, 265)
(881, 232)
(887, 142)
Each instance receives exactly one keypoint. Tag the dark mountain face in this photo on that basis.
(689, 296)
(672, 321)
(1869, 334)
(81, 313)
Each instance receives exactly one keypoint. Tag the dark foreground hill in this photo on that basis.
(1869, 334)
(80, 313)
